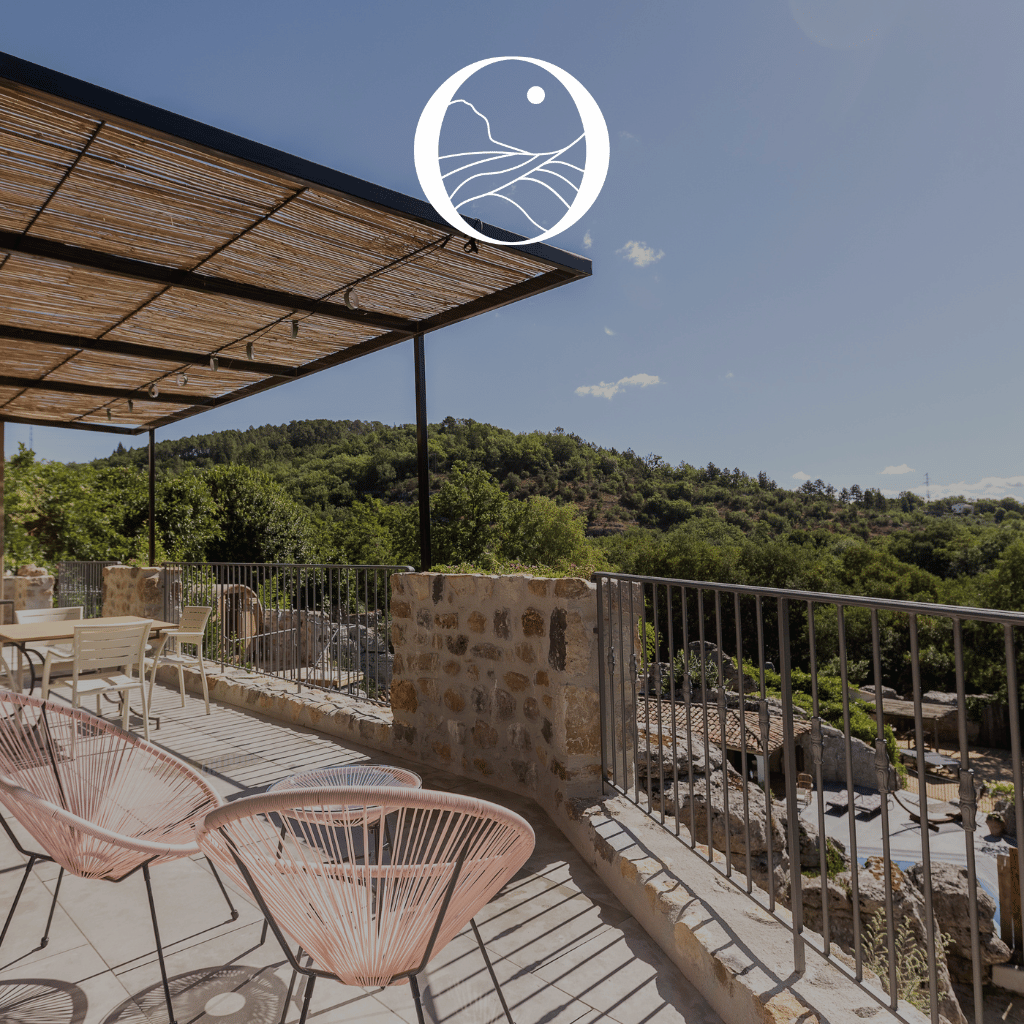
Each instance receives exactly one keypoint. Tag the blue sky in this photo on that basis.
(807, 253)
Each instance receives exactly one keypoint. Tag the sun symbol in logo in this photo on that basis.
(573, 172)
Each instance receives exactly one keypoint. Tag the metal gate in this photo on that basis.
(81, 584)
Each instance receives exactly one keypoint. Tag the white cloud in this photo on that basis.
(640, 254)
(801, 475)
(994, 487)
(896, 470)
(605, 390)
(587, 241)
(626, 135)
(729, 375)
(608, 330)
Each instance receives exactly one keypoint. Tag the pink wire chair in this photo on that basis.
(101, 802)
(378, 920)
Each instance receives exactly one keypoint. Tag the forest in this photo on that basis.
(346, 492)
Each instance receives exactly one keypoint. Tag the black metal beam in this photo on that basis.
(423, 467)
(156, 273)
(180, 357)
(152, 497)
(102, 391)
(36, 421)
(112, 105)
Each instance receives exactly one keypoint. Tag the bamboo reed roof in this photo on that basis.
(137, 246)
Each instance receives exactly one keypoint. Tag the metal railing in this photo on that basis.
(713, 745)
(321, 626)
(81, 583)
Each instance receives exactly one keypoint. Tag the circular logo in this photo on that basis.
(497, 170)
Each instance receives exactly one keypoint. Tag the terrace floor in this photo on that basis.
(564, 948)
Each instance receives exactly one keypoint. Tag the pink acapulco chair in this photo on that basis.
(101, 802)
(377, 920)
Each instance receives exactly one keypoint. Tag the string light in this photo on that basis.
(131, 405)
(182, 379)
(109, 417)
(295, 328)
(250, 352)
(214, 363)
(153, 391)
(351, 299)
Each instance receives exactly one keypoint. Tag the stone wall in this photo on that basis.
(496, 678)
(133, 590)
(26, 592)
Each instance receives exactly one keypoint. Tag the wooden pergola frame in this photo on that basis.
(153, 267)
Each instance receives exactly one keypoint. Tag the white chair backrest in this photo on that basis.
(82, 766)
(98, 647)
(369, 920)
(193, 618)
(48, 614)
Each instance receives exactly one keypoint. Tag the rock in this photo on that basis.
(888, 693)
(908, 906)
(833, 752)
(1009, 812)
(31, 570)
(951, 907)
(938, 697)
(709, 788)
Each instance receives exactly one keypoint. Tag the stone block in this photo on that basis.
(454, 701)
(401, 609)
(457, 645)
(516, 682)
(525, 653)
(488, 651)
(477, 622)
(501, 624)
(403, 696)
(538, 587)
(575, 589)
(448, 620)
(485, 735)
(506, 704)
(533, 622)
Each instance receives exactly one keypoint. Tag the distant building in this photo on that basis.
(961, 509)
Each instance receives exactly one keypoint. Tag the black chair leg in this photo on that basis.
(308, 996)
(53, 906)
(414, 985)
(227, 898)
(291, 983)
(14, 905)
(490, 970)
(159, 947)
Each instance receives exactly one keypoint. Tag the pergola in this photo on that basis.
(153, 267)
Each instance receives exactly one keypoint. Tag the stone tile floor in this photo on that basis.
(564, 949)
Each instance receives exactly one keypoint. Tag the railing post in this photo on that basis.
(792, 811)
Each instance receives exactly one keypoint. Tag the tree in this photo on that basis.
(468, 516)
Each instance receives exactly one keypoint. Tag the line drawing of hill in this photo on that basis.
(513, 164)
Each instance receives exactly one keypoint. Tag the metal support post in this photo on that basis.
(152, 497)
(421, 453)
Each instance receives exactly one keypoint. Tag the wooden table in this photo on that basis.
(22, 634)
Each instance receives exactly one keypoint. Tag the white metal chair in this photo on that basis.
(41, 650)
(104, 659)
(805, 788)
(190, 630)
(377, 920)
(99, 801)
